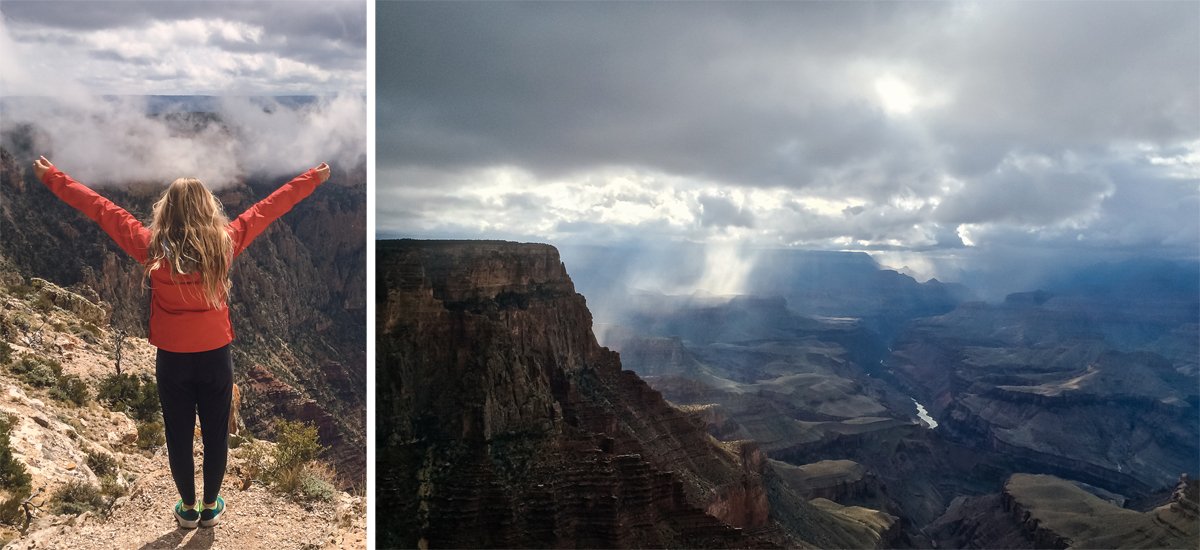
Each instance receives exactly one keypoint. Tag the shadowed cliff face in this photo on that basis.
(502, 423)
(297, 302)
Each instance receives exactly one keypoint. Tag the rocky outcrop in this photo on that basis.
(97, 313)
(502, 423)
(835, 480)
(1041, 511)
(1054, 513)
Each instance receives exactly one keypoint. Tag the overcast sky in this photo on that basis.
(183, 48)
(942, 136)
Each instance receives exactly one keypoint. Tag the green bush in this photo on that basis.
(71, 389)
(37, 371)
(236, 440)
(127, 393)
(119, 390)
(8, 330)
(150, 436)
(256, 458)
(5, 353)
(146, 407)
(110, 488)
(13, 475)
(76, 498)
(102, 464)
(295, 444)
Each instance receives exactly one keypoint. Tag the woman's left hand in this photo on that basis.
(323, 172)
(41, 166)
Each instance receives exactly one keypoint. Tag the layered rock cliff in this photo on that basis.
(502, 423)
(297, 302)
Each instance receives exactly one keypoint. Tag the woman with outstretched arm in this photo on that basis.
(186, 253)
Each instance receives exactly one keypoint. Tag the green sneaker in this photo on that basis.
(211, 516)
(188, 517)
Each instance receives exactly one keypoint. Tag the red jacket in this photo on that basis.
(180, 320)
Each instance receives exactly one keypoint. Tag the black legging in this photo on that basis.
(189, 383)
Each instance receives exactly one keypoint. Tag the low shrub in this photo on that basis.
(102, 464)
(6, 352)
(150, 436)
(146, 407)
(8, 330)
(295, 444)
(110, 488)
(71, 389)
(317, 482)
(287, 480)
(255, 455)
(87, 332)
(76, 497)
(119, 390)
(37, 371)
(127, 393)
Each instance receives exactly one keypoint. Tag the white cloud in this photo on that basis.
(192, 56)
(113, 141)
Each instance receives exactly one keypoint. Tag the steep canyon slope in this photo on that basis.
(1095, 383)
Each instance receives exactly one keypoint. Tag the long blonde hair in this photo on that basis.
(187, 236)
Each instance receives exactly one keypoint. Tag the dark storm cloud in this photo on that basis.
(342, 21)
(1025, 195)
(556, 87)
(918, 126)
(722, 89)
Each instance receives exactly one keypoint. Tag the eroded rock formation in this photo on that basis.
(502, 423)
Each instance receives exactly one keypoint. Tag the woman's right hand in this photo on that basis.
(41, 166)
(323, 172)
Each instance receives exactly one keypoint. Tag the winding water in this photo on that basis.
(921, 412)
